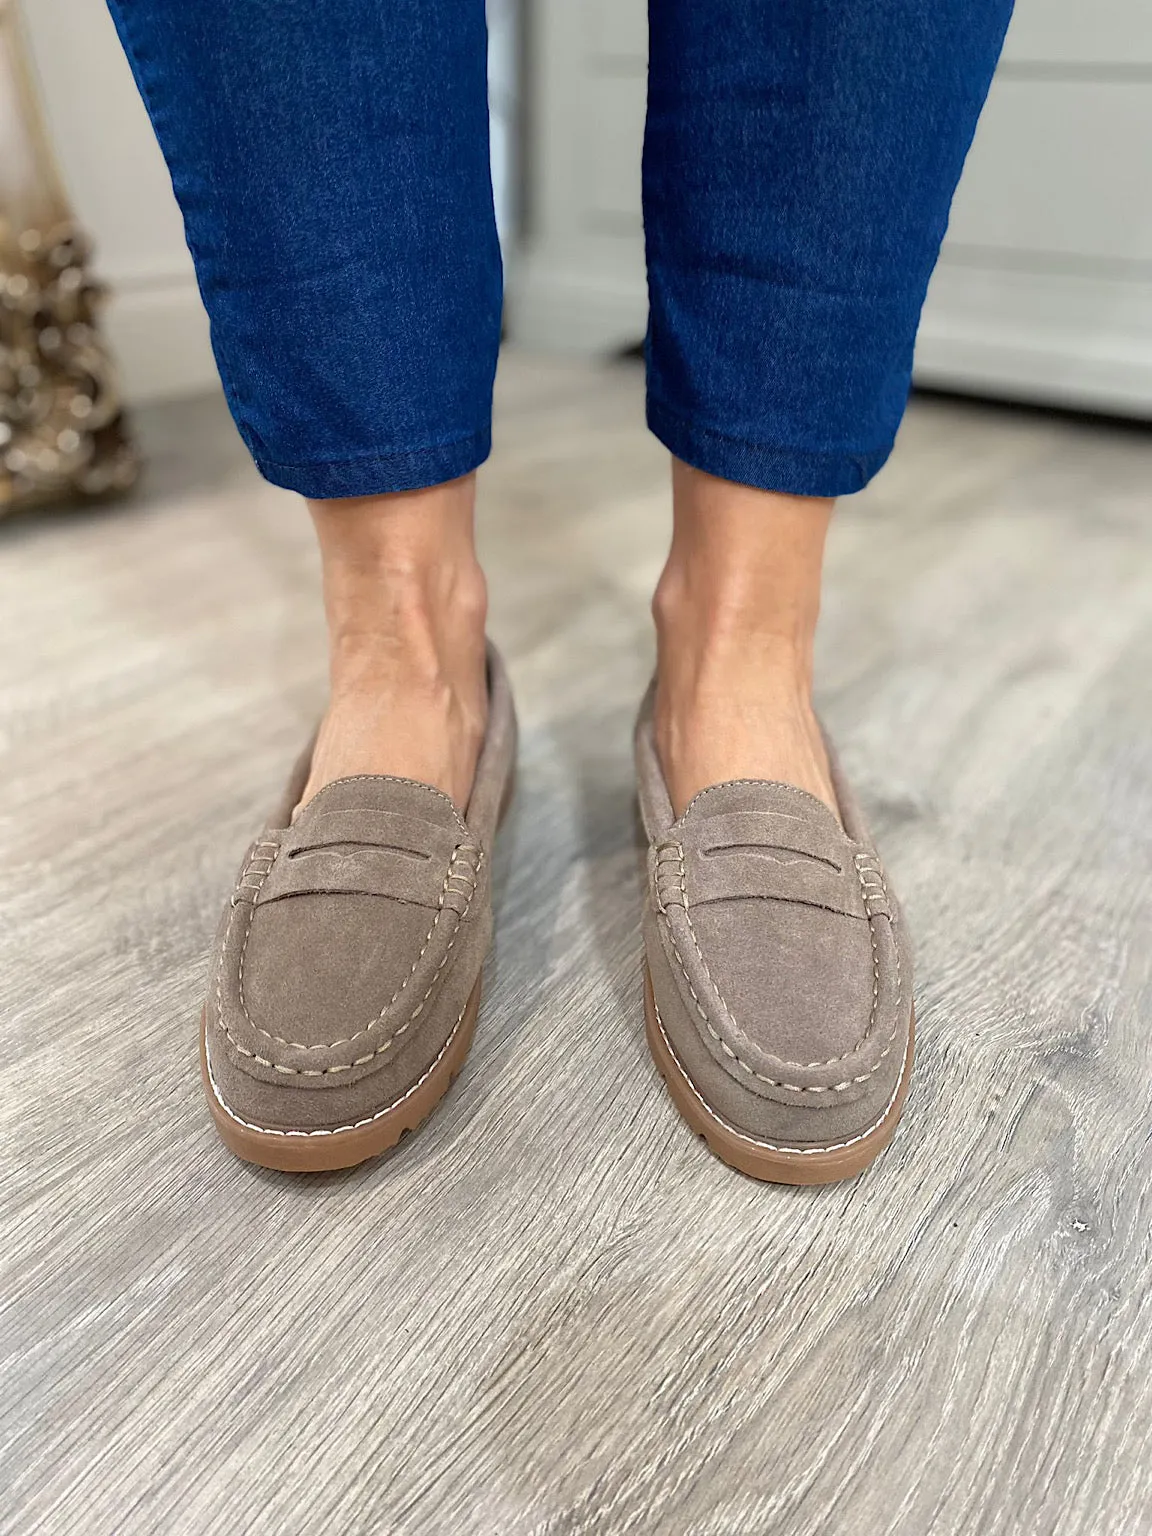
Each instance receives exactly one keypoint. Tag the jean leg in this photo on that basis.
(330, 158)
(800, 158)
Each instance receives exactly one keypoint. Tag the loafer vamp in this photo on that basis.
(794, 985)
(814, 1113)
(349, 950)
(321, 972)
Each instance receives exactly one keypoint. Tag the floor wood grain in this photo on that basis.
(552, 1313)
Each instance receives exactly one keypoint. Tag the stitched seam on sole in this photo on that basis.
(356, 1124)
(735, 1055)
(753, 1141)
(376, 1022)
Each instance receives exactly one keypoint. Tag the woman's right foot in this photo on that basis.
(405, 600)
(348, 964)
(347, 972)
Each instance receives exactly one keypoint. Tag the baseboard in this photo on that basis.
(1054, 338)
(158, 334)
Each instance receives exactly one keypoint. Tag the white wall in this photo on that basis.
(1044, 288)
(119, 186)
(17, 156)
(503, 96)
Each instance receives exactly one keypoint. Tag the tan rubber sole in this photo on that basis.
(760, 1159)
(319, 1151)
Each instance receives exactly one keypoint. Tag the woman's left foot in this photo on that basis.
(778, 986)
(741, 715)
(735, 612)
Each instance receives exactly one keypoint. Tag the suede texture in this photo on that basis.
(779, 960)
(353, 940)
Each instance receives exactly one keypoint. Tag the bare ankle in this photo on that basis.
(406, 604)
(402, 580)
(424, 624)
(744, 566)
(702, 633)
(735, 613)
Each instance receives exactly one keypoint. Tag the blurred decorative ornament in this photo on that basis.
(62, 427)
(63, 431)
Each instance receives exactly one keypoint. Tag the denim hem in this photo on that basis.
(413, 470)
(769, 467)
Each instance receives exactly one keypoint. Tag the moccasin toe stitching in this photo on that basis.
(798, 998)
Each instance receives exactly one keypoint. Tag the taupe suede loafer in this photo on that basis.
(347, 971)
(778, 991)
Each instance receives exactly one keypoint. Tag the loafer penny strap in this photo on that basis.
(374, 853)
(772, 855)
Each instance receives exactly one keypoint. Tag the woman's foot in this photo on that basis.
(348, 966)
(778, 997)
(736, 610)
(406, 602)
(778, 994)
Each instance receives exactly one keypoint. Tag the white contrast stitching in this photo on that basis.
(753, 1141)
(760, 783)
(356, 1124)
(394, 778)
(359, 1061)
(804, 1065)
(254, 858)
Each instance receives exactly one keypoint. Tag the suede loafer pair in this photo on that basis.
(348, 965)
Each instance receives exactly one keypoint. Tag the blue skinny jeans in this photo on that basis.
(331, 161)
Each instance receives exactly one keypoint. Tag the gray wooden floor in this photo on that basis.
(552, 1311)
